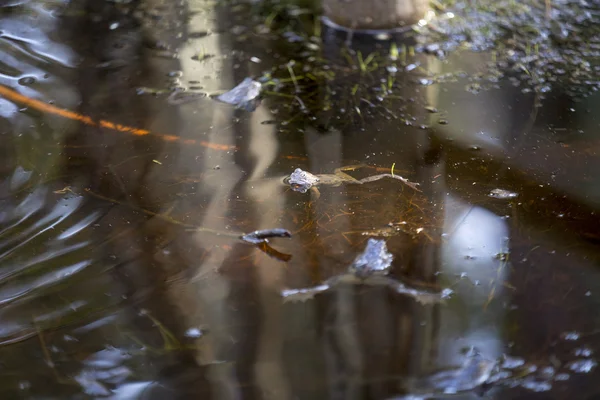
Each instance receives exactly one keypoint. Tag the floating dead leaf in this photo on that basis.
(245, 95)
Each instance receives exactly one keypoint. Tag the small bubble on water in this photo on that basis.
(113, 26)
(175, 74)
(193, 333)
(410, 67)
(382, 36)
(392, 69)
(26, 81)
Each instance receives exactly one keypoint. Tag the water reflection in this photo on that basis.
(472, 236)
(122, 274)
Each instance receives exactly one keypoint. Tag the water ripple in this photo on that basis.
(29, 39)
(45, 247)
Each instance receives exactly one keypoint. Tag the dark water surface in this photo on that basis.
(121, 272)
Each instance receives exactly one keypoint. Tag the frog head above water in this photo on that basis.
(374, 260)
(301, 181)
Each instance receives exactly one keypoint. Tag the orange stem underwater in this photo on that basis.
(48, 108)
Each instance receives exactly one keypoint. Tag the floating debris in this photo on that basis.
(583, 352)
(536, 385)
(244, 96)
(562, 377)
(142, 90)
(510, 362)
(193, 333)
(263, 236)
(502, 194)
(473, 373)
(446, 293)
(478, 374)
(582, 366)
(571, 336)
(392, 229)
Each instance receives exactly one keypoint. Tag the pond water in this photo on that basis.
(125, 188)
